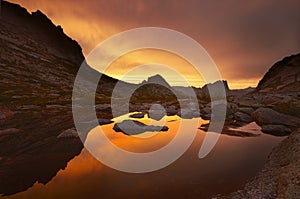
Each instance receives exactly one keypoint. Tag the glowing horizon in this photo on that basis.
(243, 49)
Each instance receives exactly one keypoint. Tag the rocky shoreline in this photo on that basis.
(280, 176)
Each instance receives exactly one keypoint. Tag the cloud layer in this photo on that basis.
(243, 37)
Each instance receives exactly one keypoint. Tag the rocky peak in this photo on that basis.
(215, 87)
(158, 79)
(41, 29)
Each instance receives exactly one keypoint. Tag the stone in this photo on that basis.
(188, 114)
(277, 130)
(157, 112)
(103, 121)
(69, 133)
(171, 110)
(247, 110)
(137, 115)
(5, 113)
(264, 116)
(206, 110)
(131, 127)
(243, 117)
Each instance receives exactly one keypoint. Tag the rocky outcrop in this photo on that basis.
(158, 79)
(283, 76)
(38, 65)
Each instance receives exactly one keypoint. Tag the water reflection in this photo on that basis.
(19, 172)
(227, 167)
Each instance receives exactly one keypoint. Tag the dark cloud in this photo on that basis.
(243, 37)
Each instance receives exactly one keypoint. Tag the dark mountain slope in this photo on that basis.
(283, 76)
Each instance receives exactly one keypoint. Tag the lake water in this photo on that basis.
(230, 164)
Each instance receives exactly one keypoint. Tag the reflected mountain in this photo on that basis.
(32, 152)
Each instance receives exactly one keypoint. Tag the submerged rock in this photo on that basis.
(131, 127)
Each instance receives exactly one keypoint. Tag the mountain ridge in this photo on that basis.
(282, 75)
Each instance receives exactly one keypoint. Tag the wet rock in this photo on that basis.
(131, 127)
(69, 133)
(137, 115)
(277, 130)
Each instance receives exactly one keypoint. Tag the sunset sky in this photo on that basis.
(244, 38)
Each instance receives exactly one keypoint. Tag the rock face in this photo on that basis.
(283, 76)
(131, 127)
(280, 177)
(37, 58)
(38, 64)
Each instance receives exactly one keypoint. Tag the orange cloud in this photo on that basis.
(243, 38)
